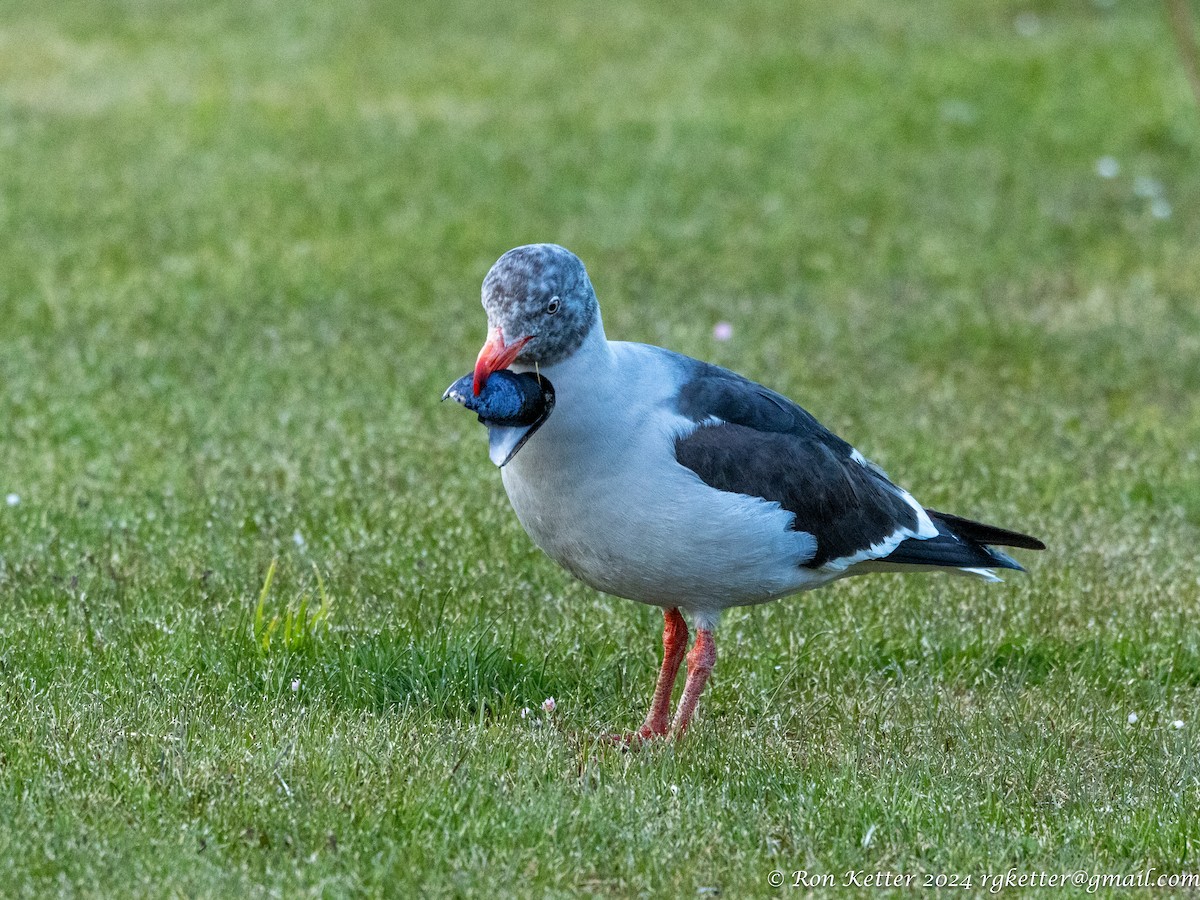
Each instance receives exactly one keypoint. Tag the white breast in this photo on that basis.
(599, 490)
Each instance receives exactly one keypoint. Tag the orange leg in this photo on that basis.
(700, 664)
(675, 636)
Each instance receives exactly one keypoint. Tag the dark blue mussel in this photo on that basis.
(507, 398)
(513, 406)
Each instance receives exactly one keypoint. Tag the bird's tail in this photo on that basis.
(963, 544)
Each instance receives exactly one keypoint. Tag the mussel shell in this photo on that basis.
(507, 399)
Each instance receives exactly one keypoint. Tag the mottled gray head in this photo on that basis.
(540, 292)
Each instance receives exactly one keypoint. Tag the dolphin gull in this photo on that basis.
(667, 480)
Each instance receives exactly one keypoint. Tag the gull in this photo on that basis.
(673, 482)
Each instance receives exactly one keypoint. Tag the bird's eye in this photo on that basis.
(553, 305)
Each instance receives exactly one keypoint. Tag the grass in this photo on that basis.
(241, 259)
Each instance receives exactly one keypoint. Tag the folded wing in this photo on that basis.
(750, 440)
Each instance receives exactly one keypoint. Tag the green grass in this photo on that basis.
(242, 247)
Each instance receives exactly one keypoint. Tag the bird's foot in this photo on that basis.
(631, 740)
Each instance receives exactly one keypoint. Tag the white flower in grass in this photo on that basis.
(1108, 167)
(958, 112)
(525, 712)
(1160, 208)
(1177, 724)
(1133, 717)
(298, 539)
(722, 331)
(548, 705)
(295, 685)
(1027, 24)
(1146, 187)
(12, 499)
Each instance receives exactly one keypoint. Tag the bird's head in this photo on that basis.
(540, 307)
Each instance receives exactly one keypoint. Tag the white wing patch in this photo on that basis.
(925, 530)
(925, 527)
(875, 551)
(985, 574)
(867, 464)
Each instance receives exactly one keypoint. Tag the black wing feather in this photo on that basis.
(987, 534)
(754, 441)
(950, 548)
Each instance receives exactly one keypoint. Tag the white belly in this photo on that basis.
(602, 495)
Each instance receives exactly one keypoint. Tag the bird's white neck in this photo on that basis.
(592, 360)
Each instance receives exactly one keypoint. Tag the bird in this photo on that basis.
(674, 482)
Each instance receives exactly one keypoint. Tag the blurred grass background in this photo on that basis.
(241, 254)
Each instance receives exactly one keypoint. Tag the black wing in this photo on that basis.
(751, 440)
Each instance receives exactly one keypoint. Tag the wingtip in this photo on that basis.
(1003, 560)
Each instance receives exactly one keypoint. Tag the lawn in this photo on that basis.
(240, 260)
